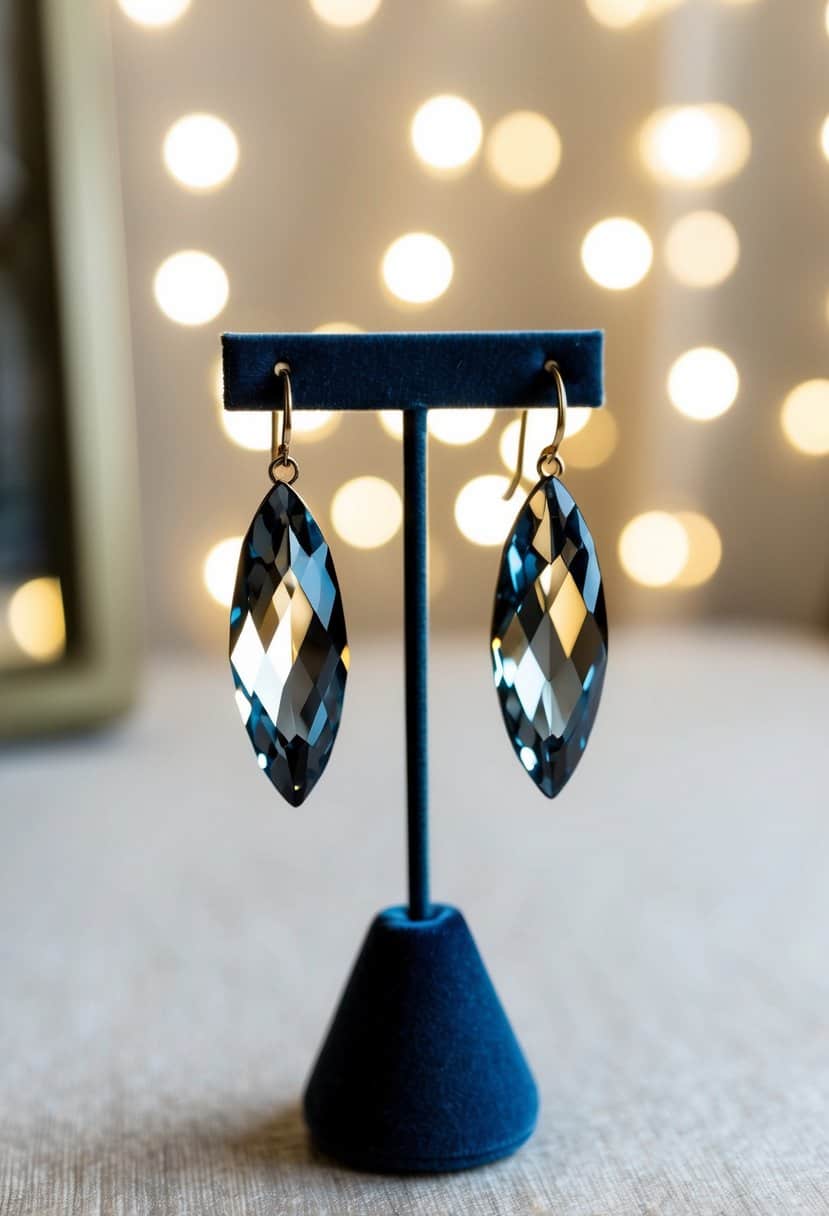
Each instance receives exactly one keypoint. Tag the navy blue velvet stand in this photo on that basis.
(420, 1070)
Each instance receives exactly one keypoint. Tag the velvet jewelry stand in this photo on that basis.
(420, 1070)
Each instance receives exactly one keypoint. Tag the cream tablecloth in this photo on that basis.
(173, 939)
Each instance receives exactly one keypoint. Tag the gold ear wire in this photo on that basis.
(549, 453)
(519, 462)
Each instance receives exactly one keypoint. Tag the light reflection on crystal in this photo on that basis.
(549, 635)
(288, 650)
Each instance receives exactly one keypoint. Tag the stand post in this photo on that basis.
(416, 577)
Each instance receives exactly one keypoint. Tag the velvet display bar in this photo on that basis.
(412, 371)
(420, 1070)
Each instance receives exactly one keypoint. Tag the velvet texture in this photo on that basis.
(416, 578)
(405, 371)
(420, 1070)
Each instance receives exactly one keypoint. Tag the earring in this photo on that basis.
(288, 647)
(549, 625)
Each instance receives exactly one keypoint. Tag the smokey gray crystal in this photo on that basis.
(549, 635)
(288, 647)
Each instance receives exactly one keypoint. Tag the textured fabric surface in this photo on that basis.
(174, 939)
(373, 371)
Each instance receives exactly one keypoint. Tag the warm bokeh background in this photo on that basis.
(316, 99)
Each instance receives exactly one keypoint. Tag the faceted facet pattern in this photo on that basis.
(288, 646)
(549, 635)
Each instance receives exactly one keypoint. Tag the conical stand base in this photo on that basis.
(420, 1070)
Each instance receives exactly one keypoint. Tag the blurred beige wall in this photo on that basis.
(327, 179)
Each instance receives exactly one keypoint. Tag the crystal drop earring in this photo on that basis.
(549, 624)
(288, 647)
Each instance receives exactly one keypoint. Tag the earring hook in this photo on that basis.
(281, 436)
(549, 453)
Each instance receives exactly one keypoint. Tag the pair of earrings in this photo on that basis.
(289, 649)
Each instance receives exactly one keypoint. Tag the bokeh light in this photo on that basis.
(417, 268)
(595, 444)
(392, 422)
(191, 287)
(446, 133)
(367, 512)
(345, 13)
(704, 549)
(698, 145)
(251, 429)
(523, 150)
(456, 426)
(541, 427)
(219, 569)
(481, 513)
(36, 619)
(200, 151)
(154, 13)
(337, 327)
(617, 13)
(653, 548)
(703, 383)
(617, 253)
(805, 417)
(702, 249)
(824, 137)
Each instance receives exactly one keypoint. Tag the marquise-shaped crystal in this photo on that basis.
(288, 646)
(549, 635)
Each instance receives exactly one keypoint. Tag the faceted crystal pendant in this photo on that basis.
(288, 648)
(549, 635)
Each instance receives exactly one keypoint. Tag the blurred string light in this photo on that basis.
(617, 253)
(481, 513)
(523, 150)
(200, 151)
(595, 444)
(345, 13)
(36, 619)
(592, 436)
(541, 427)
(702, 249)
(251, 429)
(417, 268)
(670, 549)
(703, 383)
(451, 426)
(337, 327)
(219, 569)
(438, 569)
(824, 138)
(619, 14)
(155, 13)
(805, 417)
(454, 426)
(392, 422)
(695, 145)
(191, 287)
(704, 549)
(654, 548)
(367, 512)
(446, 133)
